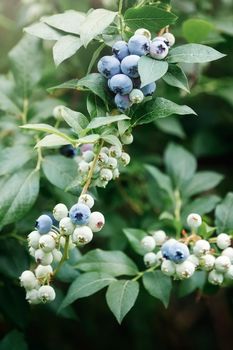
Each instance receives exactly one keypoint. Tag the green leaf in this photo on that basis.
(223, 214)
(160, 108)
(24, 188)
(86, 284)
(205, 230)
(149, 17)
(43, 31)
(171, 126)
(52, 141)
(196, 30)
(7, 105)
(188, 286)
(60, 171)
(103, 121)
(95, 106)
(112, 140)
(134, 237)
(201, 181)
(151, 70)
(180, 164)
(69, 21)
(95, 23)
(26, 63)
(158, 285)
(163, 181)
(93, 138)
(42, 110)
(10, 163)
(76, 120)
(121, 297)
(194, 53)
(46, 128)
(13, 340)
(203, 205)
(176, 77)
(115, 263)
(65, 47)
(123, 126)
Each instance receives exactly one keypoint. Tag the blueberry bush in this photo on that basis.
(104, 185)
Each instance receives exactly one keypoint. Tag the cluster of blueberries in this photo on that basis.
(47, 243)
(121, 69)
(175, 260)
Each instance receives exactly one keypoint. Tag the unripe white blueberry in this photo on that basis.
(106, 174)
(143, 31)
(47, 243)
(96, 221)
(115, 151)
(125, 158)
(159, 257)
(228, 252)
(222, 263)
(193, 259)
(223, 241)
(101, 183)
(28, 280)
(168, 268)
(185, 270)
(66, 226)
(57, 112)
(83, 167)
(201, 247)
(102, 158)
(46, 293)
(150, 259)
(215, 277)
(33, 239)
(159, 237)
(170, 38)
(104, 150)
(63, 243)
(88, 156)
(43, 258)
(86, 199)
(82, 235)
(207, 262)
(96, 169)
(32, 251)
(43, 271)
(116, 173)
(136, 96)
(148, 243)
(32, 296)
(112, 163)
(57, 255)
(194, 220)
(127, 138)
(60, 211)
(229, 273)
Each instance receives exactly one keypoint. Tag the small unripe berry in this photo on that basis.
(43, 258)
(193, 259)
(229, 273)
(159, 237)
(102, 159)
(115, 173)
(150, 259)
(32, 252)
(143, 31)
(46, 293)
(115, 151)
(96, 221)
(169, 38)
(60, 211)
(87, 200)
(222, 263)
(33, 239)
(127, 138)
(207, 262)
(47, 243)
(57, 255)
(159, 257)
(104, 150)
(106, 174)
(194, 220)
(112, 163)
(136, 96)
(43, 271)
(82, 235)
(168, 268)
(228, 252)
(148, 243)
(201, 247)
(88, 156)
(83, 167)
(185, 270)
(57, 112)
(215, 277)
(223, 241)
(66, 226)
(32, 296)
(28, 280)
(125, 158)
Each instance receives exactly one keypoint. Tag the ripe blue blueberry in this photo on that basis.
(68, 151)
(121, 84)
(136, 83)
(149, 89)
(139, 45)
(44, 224)
(166, 248)
(109, 66)
(129, 66)
(120, 49)
(179, 252)
(122, 102)
(158, 49)
(79, 214)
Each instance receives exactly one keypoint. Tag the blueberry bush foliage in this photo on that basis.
(81, 209)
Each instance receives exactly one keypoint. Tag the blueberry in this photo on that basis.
(129, 66)
(158, 49)
(122, 102)
(109, 66)
(44, 224)
(68, 151)
(167, 247)
(121, 84)
(139, 45)
(179, 252)
(149, 89)
(79, 214)
(120, 49)
(136, 83)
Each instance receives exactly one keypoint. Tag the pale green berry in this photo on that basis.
(170, 38)
(215, 277)
(207, 262)
(43, 258)
(86, 199)
(150, 259)
(32, 296)
(57, 112)
(148, 243)
(96, 221)
(112, 163)
(229, 273)
(33, 239)
(88, 156)
(222, 263)
(159, 237)
(201, 247)
(168, 268)
(125, 158)
(28, 280)
(82, 235)
(60, 211)
(106, 174)
(185, 270)
(127, 138)
(66, 226)
(136, 96)
(42, 272)
(46, 293)
(143, 31)
(102, 159)
(47, 243)
(193, 259)
(57, 255)
(228, 252)
(115, 151)
(223, 241)
(194, 220)
(115, 173)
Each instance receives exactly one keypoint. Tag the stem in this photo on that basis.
(25, 111)
(121, 19)
(64, 257)
(141, 3)
(178, 204)
(39, 156)
(141, 273)
(91, 171)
